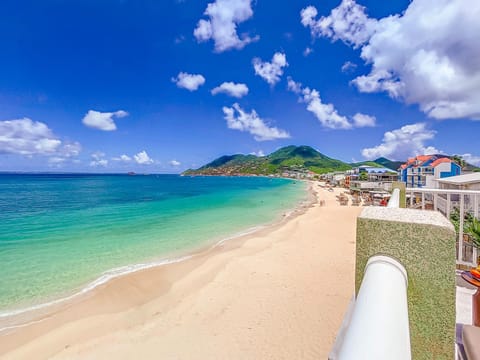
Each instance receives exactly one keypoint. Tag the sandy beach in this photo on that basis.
(279, 293)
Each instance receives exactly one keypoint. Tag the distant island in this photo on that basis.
(287, 159)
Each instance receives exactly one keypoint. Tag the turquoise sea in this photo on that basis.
(63, 234)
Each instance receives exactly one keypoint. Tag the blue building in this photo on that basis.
(425, 170)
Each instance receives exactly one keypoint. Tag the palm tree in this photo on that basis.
(459, 160)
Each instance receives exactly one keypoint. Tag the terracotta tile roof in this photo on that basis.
(423, 158)
(441, 160)
(420, 158)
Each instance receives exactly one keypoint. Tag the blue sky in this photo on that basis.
(162, 86)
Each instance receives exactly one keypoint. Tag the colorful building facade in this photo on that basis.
(424, 170)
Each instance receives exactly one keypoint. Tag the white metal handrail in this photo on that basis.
(379, 327)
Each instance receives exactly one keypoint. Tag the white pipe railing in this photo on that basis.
(394, 201)
(379, 327)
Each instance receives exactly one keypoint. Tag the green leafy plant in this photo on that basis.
(471, 225)
(363, 176)
(455, 219)
(473, 229)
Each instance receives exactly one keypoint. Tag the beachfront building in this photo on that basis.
(460, 182)
(370, 178)
(299, 174)
(425, 170)
(368, 186)
(336, 178)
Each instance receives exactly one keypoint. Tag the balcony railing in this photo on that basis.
(444, 201)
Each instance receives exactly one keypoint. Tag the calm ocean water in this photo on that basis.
(59, 233)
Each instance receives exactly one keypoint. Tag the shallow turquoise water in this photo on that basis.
(61, 232)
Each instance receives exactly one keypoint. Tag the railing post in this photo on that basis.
(475, 206)
(423, 200)
(448, 206)
(460, 228)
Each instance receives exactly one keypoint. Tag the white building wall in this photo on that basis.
(475, 186)
(442, 167)
(430, 182)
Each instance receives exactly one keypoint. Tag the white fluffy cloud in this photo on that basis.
(348, 22)
(471, 159)
(69, 149)
(270, 71)
(307, 51)
(175, 163)
(187, 81)
(231, 89)
(142, 158)
(102, 120)
(348, 66)
(294, 86)
(98, 163)
(427, 56)
(326, 113)
(28, 137)
(362, 120)
(238, 119)
(258, 153)
(224, 16)
(400, 144)
(123, 158)
(98, 159)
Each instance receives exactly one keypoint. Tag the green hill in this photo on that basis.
(394, 165)
(380, 162)
(366, 163)
(289, 158)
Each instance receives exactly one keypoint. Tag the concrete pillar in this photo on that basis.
(424, 243)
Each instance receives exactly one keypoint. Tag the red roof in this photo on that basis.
(420, 158)
(423, 158)
(441, 160)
